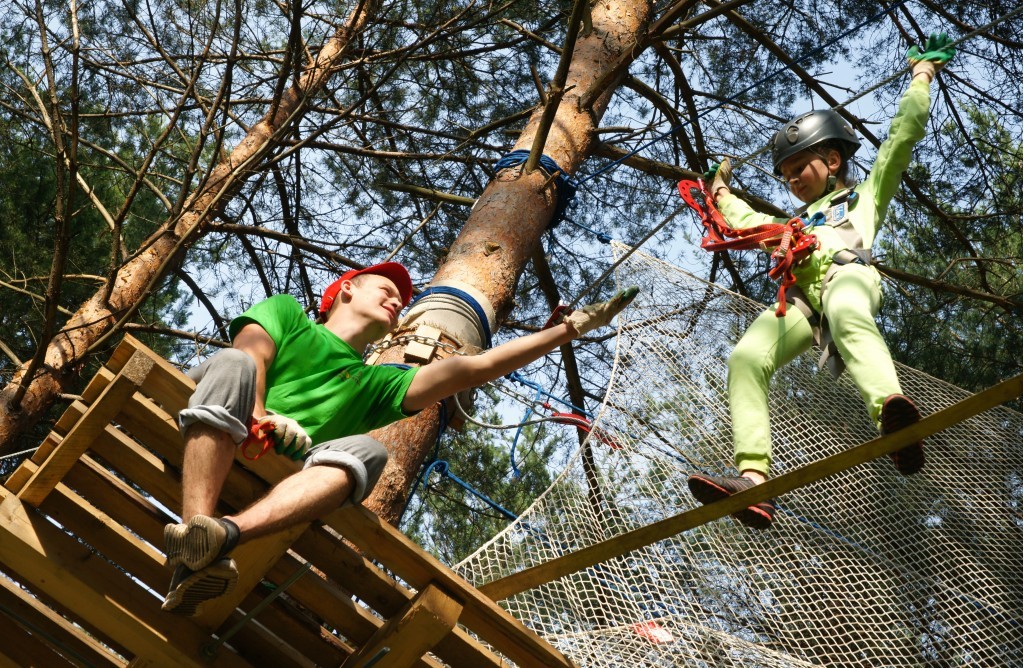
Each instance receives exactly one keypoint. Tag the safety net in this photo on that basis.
(863, 568)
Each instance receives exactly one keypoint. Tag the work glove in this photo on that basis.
(937, 52)
(290, 439)
(597, 315)
(720, 176)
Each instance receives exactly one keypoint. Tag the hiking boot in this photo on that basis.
(191, 589)
(709, 488)
(899, 412)
(200, 542)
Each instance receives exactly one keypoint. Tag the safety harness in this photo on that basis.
(791, 241)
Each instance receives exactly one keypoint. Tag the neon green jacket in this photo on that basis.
(850, 226)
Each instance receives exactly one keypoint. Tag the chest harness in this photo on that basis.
(792, 241)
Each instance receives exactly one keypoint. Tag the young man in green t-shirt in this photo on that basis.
(307, 384)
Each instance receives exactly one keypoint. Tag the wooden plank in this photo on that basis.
(290, 624)
(167, 385)
(134, 462)
(85, 430)
(43, 557)
(329, 602)
(24, 649)
(361, 577)
(43, 623)
(254, 559)
(107, 536)
(787, 482)
(406, 637)
(480, 614)
(262, 647)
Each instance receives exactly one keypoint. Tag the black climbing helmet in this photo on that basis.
(810, 129)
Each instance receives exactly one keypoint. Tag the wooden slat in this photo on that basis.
(85, 430)
(135, 462)
(330, 603)
(254, 559)
(167, 382)
(361, 577)
(43, 557)
(480, 614)
(289, 623)
(406, 637)
(787, 482)
(46, 625)
(24, 649)
(107, 536)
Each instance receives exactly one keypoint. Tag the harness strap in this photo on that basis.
(790, 241)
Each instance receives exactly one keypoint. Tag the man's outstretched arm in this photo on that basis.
(446, 377)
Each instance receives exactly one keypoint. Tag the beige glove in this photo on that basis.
(591, 317)
(290, 439)
(720, 176)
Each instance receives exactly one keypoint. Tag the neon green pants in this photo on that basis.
(851, 302)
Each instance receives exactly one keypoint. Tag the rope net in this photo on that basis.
(865, 568)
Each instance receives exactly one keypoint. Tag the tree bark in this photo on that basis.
(510, 216)
(102, 316)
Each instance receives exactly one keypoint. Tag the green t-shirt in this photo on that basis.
(318, 380)
(862, 220)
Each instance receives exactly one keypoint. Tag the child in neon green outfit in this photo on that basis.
(837, 291)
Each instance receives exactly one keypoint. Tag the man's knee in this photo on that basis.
(362, 456)
(224, 395)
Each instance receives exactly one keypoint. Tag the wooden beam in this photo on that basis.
(45, 624)
(254, 559)
(44, 558)
(329, 602)
(480, 614)
(167, 382)
(23, 648)
(94, 421)
(361, 577)
(406, 637)
(787, 482)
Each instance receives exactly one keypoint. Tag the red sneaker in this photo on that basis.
(709, 488)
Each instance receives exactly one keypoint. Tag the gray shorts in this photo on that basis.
(224, 398)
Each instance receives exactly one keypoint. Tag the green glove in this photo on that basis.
(937, 52)
(937, 49)
(720, 176)
(597, 315)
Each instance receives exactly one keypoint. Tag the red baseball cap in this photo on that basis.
(398, 275)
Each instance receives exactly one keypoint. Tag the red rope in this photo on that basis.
(792, 245)
(583, 424)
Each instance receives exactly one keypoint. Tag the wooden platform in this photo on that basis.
(81, 545)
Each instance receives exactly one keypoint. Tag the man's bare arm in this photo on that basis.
(255, 342)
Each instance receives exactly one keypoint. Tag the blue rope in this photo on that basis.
(807, 56)
(442, 468)
(516, 473)
(565, 185)
(517, 377)
(466, 297)
(601, 236)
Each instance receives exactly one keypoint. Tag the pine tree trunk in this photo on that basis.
(508, 220)
(23, 404)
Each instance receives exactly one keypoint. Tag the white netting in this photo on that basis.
(866, 568)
